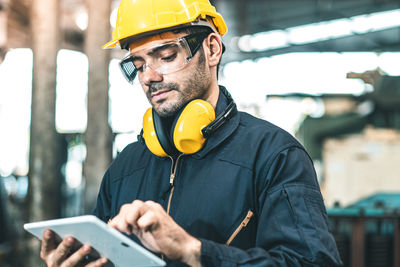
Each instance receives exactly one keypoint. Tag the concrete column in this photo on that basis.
(46, 149)
(98, 136)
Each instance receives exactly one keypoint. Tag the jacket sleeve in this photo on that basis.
(292, 226)
(103, 205)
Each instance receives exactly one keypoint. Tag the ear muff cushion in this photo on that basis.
(187, 136)
(162, 134)
(150, 136)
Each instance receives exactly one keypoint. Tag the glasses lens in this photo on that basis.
(128, 69)
(169, 58)
(164, 59)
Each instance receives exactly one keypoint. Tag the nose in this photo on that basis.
(149, 75)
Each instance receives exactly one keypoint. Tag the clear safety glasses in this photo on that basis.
(163, 58)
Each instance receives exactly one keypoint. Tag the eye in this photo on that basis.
(138, 66)
(169, 58)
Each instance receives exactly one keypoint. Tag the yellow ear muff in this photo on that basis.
(187, 135)
(150, 136)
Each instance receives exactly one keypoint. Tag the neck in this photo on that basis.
(213, 93)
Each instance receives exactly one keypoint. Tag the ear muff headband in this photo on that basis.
(220, 120)
(228, 113)
(187, 135)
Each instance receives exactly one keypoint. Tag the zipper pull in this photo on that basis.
(171, 179)
(240, 227)
(247, 219)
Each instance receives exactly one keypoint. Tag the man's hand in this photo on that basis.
(158, 231)
(371, 77)
(54, 255)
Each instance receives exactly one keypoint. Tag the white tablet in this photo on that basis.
(105, 241)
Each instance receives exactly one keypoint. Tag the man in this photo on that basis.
(236, 191)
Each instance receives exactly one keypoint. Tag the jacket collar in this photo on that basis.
(222, 133)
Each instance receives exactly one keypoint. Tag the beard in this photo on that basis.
(195, 87)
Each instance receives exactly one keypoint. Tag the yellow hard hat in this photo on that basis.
(136, 17)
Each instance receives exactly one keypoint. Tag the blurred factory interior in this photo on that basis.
(327, 71)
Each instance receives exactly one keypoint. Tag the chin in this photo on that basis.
(166, 111)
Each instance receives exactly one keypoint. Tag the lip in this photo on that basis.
(159, 95)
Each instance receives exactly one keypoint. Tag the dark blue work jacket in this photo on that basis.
(247, 165)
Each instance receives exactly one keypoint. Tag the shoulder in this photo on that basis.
(275, 155)
(257, 142)
(264, 133)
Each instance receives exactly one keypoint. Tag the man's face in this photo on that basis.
(167, 93)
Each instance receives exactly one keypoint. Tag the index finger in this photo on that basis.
(134, 212)
(127, 217)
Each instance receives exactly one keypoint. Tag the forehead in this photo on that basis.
(155, 39)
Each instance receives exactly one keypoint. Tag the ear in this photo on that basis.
(214, 49)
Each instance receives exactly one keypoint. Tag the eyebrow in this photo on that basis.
(154, 51)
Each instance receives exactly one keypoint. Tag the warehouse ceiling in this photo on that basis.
(255, 16)
(244, 18)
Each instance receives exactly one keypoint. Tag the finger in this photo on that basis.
(135, 211)
(120, 224)
(149, 221)
(63, 249)
(48, 243)
(77, 256)
(157, 208)
(154, 205)
(97, 263)
(127, 217)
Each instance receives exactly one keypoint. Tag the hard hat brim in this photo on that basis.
(111, 44)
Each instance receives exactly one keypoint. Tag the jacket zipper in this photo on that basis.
(243, 224)
(172, 179)
(171, 182)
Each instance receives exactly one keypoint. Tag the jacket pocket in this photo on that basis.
(290, 207)
(242, 225)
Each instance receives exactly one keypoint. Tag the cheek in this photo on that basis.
(174, 79)
(145, 88)
(141, 82)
